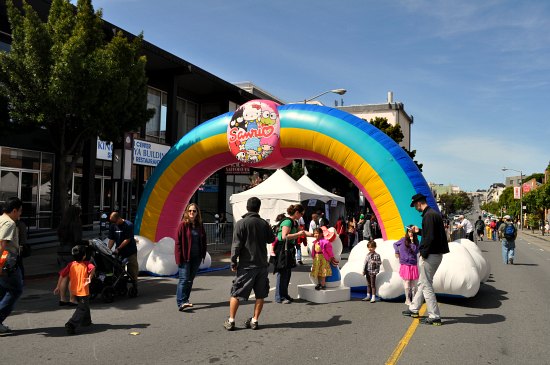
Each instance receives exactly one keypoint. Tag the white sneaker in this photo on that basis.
(366, 299)
(373, 299)
(4, 329)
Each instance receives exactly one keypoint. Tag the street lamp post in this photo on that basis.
(335, 91)
(520, 194)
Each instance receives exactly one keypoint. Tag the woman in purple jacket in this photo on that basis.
(189, 252)
(406, 250)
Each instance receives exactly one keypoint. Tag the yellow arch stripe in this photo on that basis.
(177, 170)
(354, 164)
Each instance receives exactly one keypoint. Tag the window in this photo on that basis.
(187, 116)
(155, 130)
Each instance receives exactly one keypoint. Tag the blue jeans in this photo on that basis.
(186, 272)
(11, 288)
(281, 288)
(508, 250)
(299, 252)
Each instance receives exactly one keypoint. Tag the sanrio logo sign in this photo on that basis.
(254, 130)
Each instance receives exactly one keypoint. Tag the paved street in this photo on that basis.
(506, 323)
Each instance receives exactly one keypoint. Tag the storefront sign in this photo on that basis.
(148, 153)
(104, 150)
(237, 169)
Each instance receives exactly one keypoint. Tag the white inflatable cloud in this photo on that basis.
(158, 257)
(459, 274)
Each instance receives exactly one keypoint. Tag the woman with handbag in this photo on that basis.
(287, 235)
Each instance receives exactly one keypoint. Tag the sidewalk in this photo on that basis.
(43, 260)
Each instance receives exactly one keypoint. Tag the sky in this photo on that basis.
(475, 75)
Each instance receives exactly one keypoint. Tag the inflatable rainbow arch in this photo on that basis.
(376, 164)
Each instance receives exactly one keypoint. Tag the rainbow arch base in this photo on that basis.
(378, 166)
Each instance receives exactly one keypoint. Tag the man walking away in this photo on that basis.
(480, 228)
(249, 261)
(507, 233)
(434, 245)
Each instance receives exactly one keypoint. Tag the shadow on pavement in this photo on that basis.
(149, 291)
(95, 328)
(474, 319)
(516, 264)
(488, 297)
(333, 322)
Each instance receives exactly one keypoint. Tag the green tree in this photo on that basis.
(455, 202)
(66, 77)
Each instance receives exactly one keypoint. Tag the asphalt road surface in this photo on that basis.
(507, 322)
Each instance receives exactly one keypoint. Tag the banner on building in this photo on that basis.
(148, 153)
(526, 188)
(517, 192)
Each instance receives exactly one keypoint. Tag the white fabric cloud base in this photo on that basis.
(460, 273)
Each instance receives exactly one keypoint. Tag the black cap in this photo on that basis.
(417, 197)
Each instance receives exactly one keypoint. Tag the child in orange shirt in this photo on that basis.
(80, 273)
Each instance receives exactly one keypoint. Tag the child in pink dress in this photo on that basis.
(322, 256)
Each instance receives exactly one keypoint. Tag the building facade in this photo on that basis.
(182, 94)
(393, 111)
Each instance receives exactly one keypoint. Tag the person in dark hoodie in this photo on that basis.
(434, 244)
(249, 262)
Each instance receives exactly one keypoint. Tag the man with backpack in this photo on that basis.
(507, 233)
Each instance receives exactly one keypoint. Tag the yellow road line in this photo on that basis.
(396, 354)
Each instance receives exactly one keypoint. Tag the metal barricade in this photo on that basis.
(457, 234)
(218, 234)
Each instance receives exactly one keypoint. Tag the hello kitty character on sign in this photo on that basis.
(254, 130)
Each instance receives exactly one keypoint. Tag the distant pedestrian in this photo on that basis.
(249, 262)
(189, 252)
(314, 223)
(507, 233)
(351, 231)
(300, 241)
(11, 281)
(371, 269)
(467, 226)
(493, 226)
(360, 227)
(367, 234)
(80, 273)
(406, 250)
(434, 246)
(480, 228)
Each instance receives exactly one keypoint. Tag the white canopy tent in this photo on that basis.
(335, 207)
(276, 193)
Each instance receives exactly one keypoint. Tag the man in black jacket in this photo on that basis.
(249, 261)
(434, 244)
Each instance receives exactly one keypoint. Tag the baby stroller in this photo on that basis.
(111, 277)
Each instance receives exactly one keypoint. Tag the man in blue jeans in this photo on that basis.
(507, 233)
(11, 281)
(434, 244)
